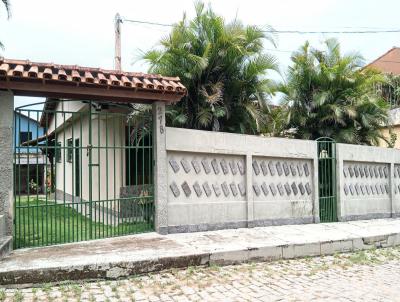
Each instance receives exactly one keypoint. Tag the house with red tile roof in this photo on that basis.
(94, 149)
(389, 64)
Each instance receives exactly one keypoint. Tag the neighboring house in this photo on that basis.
(389, 64)
(29, 161)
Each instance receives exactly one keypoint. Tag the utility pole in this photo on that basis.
(117, 58)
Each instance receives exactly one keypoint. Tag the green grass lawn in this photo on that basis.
(38, 224)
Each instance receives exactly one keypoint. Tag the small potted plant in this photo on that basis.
(33, 187)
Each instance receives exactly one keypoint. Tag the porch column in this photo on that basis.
(6, 170)
(160, 168)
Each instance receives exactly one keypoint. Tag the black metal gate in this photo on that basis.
(327, 179)
(82, 170)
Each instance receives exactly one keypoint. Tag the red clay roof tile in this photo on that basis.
(91, 76)
(114, 80)
(137, 82)
(388, 62)
(33, 72)
(125, 81)
(18, 71)
(47, 73)
(75, 76)
(148, 84)
(62, 75)
(4, 69)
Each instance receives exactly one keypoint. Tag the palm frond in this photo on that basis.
(223, 67)
(326, 94)
(7, 5)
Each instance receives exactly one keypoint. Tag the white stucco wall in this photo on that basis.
(108, 156)
(368, 182)
(219, 180)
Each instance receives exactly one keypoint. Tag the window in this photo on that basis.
(58, 152)
(70, 149)
(24, 136)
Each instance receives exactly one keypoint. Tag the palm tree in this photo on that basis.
(6, 3)
(328, 94)
(224, 69)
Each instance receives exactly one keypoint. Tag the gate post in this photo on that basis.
(339, 184)
(160, 168)
(315, 213)
(6, 170)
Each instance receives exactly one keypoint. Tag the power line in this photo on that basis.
(272, 31)
(146, 22)
(280, 50)
(334, 32)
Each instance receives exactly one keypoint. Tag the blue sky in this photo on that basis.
(81, 32)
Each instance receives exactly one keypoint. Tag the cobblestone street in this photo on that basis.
(362, 276)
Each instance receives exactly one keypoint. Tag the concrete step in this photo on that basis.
(144, 253)
(5, 246)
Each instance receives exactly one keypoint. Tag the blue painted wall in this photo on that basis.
(23, 123)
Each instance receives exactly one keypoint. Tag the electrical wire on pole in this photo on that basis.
(368, 31)
(117, 27)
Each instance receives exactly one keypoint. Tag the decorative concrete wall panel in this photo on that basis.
(396, 189)
(285, 195)
(291, 181)
(192, 175)
(366, 190)
(224, 180)
(366, 182)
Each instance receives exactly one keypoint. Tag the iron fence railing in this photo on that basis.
(327, 179)
(85, 173)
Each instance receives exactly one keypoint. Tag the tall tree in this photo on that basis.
(6, 4)
(224, 69)
(328, 94)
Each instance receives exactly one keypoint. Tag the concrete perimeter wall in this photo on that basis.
(368, 182)
(220, 180)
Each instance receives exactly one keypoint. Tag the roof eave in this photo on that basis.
(107, 93)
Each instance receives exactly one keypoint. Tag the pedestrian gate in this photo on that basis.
(82, 170)
(327, 179)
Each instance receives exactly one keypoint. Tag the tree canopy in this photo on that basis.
(227, 74)
(224, 67)
(329, 94)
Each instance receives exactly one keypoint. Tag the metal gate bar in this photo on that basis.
(82, 170)
(327, 179)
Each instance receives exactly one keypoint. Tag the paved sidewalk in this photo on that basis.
(123, 256)
(362, 276)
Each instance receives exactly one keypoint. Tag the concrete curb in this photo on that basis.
(112, 270)
(118, 269)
